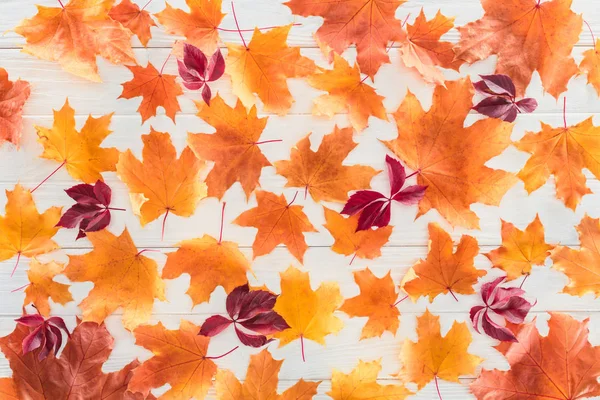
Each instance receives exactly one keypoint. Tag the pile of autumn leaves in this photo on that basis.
(448, 158)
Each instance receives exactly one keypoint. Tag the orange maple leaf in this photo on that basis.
(527, 36)
(263, 66)
(8, 389)
(233, 147)
(520, 250)
(591, 66)
(562, 365)
(424, 51)
(157, 90)
(309, 313)
(377, 300)
(434, 356)
(363, 244)
(563, 152)
(450, 159)
(582, 266)
(362, 383)
(79, 152)
(261, 382)
(161, 183)
(122, 276)
(347, 92)
(179, 359)
(42, 286)
(199, 26)
(369, 24)
(444, 271)
(13, 96)
(137, 20)
(321, 173)
(74, 35)
(278, 222)
(23, 230)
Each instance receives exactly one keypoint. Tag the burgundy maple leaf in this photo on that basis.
(92, 211)
(249, 310)
(501, 98)
(196, 70)
(374, 207)
(507, 303)
(45, 334)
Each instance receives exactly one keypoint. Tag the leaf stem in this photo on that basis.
(222, 355)
(413, 174)
(222, 218)
(399, 301)
(115, 209)
(565, 112)
(144, 250)
(294, 199)
(353, 257)
(437, 386)
(145, 5)
(238, 25)
(162, 236)
(16, 265)
(252, 30)
(269, 141)
(591, 33)
(452, 293)
(302, 348)
(49, 176)
(524, 279)
(20, 288)
(61, 4)
(165, 63)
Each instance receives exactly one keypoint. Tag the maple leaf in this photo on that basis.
(520, 250)
(562, 365)
(261, 382)
(346, 92)
(369, 24)
(507, 303)
(321, 173)
(582, 266)
(233, 147)
(278, 222)
(263, 66)
(74, 35)
(137, 20)
(13, 96)
(444, 271)
(527, 36)
(249, 310)
(179, 359)
(423, 50)
(23, 230)
(92, 210)
(45, 336)
(196, 70)
(563, 152)
(591, 66)
(161, 183)
(122, 276)
(199, 26)
(43, 287)
(309, 313)
(450, 159)
(501, 98)
(157, 90)
(8, 389)
(377, 300)
(434, 356)
(362, 383)
(363, 244)
(79, 152)
(77, 374)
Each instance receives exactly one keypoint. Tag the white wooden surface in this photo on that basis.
(50, 87)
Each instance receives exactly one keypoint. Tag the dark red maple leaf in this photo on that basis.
(196, 70)
(501, 101)
(92, 211)
(507, 303)
(45, 334)
(374, 207)
(250, 310)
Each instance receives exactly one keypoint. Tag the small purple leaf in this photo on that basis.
(499, 84)
(214, 325)
(411, 195)
(360, 200)
(396, 174)
(251, 340)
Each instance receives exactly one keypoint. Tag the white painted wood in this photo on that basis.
(51, 85)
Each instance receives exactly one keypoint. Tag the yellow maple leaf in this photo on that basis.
(434, 356)
(263, 67)
(42, 286)
(346, 92)
(162, 183)
(520, 250)
(122, 276)
(361, 384)
(79, 152)
(23, 230)
(308, 313)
